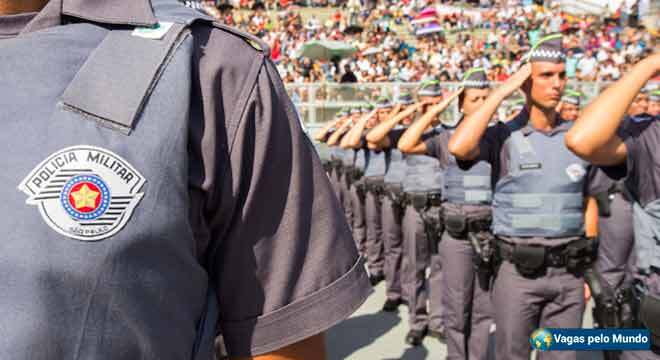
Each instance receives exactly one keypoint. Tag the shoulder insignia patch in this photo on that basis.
(84, 192)
(575, 172)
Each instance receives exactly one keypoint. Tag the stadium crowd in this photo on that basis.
(383, 33)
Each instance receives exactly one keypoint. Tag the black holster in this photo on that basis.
(357, 174)
(606, 311)
(581, 254)
(604, 204)
(327, 166)
(348, 176)
(433, 228)
(455, 224)
(483, 243)
(649, 314)
(398, 204)
(361, 190)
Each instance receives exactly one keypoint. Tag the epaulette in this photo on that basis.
(254, 41)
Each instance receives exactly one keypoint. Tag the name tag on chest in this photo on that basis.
(530, 166)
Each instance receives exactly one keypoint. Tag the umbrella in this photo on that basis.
(430, 29)
(423, 20)
(353, 29)
(326, 50)
(372, 51)
(428, 12)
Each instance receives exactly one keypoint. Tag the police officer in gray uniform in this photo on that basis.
(335, 153)
(612, 278)
(630, 152)
(466, 217)
(348, 157)
(357, 187)
(569, 107)
(422, 187)
(540, 205)
(143, 207)
(381, 137)
(374, 172)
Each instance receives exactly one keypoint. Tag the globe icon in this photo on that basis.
(541, 339)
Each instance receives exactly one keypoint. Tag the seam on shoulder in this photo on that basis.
(243, 100)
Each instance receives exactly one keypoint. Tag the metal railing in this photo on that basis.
(318, 103)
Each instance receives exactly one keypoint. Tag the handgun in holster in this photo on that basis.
(606, 311)
(327, 166)
(648, 310)
(357, 174)
(398, 198)
(604, 204)
(483, 243)
(581, 254)
(361, 190)
(433, 228)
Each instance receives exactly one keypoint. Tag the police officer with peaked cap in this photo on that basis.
(654, 103)
(630, 152)
(540, 205)
(466, 218)
(347, 157)
(335, 152)
(374, 176)
(143, 207)
(422, 187)
(356, 187)
(569, 107)
(514, 108)
(611, 278)
(372, 181)
(392, 207)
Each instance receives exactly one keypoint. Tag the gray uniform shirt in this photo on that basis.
(494, 148)
(642, 167)
(267, 227)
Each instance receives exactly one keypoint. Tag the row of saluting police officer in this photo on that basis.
(503, 214)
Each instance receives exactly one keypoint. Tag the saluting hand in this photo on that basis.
(516, 80)
(654, 60)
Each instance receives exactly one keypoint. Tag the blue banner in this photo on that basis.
(590, 339)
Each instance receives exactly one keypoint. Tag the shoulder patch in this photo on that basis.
(84, 192)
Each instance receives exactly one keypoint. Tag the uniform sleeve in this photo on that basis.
(281, 257)
(394, 137)
(489, 147)
(437, 147)
(596, 181)
(621, 171)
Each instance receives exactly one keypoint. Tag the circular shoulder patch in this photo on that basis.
(575, 172)
(84, 192)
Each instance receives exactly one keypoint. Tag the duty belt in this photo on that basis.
(459, 225)
(375, 185)
(423, 200)
(552, 256)
(395, 193)
(532, 259)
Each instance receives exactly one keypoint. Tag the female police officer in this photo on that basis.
(142, 200)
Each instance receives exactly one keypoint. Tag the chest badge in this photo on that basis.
(84, 192)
